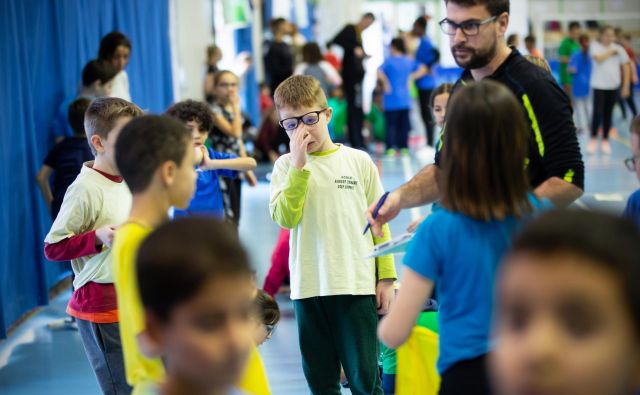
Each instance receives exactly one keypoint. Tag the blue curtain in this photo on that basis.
(45, 44)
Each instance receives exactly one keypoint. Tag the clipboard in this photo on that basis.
(394, 246)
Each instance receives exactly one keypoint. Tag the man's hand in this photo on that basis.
(387, 212)
(384, 295)
(105, 234)
(298, 145)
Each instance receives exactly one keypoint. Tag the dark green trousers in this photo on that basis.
(335, 330)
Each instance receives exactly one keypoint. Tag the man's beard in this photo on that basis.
(476, 59)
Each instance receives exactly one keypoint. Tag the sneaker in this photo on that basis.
(592, 146)
(404, 151)
(606, 147)
(390, 152)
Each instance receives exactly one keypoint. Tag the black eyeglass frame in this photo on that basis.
(300, 120)
(630, 162)
(464, 26)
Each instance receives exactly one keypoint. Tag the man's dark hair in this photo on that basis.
(95, 70)
(147, 142)
(602, 239)
(495, 7)
(178, 259)
(574, 25)
(75, 113)
(110, 43)
(399, 45)
(192, 110)
(275, 23)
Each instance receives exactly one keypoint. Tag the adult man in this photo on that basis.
(556, 171)
(350, 39)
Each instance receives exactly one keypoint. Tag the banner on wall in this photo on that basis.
(237, 13)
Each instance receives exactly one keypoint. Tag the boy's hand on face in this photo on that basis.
(299, 141)
(105, 234)
(384, 295)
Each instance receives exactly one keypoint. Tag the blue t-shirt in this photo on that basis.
(632, 211)
(60, 126)
(461, 255)
(428, 55)
(581, 62)
(207, 199)
(398, 69)
(66, 159)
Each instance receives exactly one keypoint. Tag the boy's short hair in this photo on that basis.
(530, 39)
(111, 42)
(267, 308)
(275, 23)
(399, 45)
(540, 62)
(180, 257)
(147, 142)
(635, 125)
(495, 7)
(76, 112)
(103, 113)
(96, 70)
(611, 242)
(300, 91)
(574, 25)
(192, 110)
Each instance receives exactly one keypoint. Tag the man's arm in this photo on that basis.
(420, 190)
(560, 192)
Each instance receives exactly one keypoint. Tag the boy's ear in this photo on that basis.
(168, 172)
(329, 113)
(151, 340)
(96, 142)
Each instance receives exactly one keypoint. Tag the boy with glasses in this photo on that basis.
(320, 191)
(632, 211)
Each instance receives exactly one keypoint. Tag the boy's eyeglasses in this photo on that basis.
(469, 28)
(310, 118)
(631, 162)
(269, 329)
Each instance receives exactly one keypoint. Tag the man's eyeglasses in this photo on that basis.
(469, 28)
(310, 118)
(631, 162)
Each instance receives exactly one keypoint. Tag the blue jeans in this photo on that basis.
(103, 348)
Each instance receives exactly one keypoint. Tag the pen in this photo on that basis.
(375, 211)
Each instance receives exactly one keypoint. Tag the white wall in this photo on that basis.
(193, 32)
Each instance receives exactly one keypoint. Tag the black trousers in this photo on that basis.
(355, 114)
(603, 102)
(630, 102)
(467, 377)
(424, 97)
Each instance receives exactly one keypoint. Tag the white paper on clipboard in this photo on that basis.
(393, 246)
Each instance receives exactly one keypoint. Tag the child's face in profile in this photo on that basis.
(563, 327)
(319, 131)
(184, 181)
(199, 136)
(440, 108)
(108, 150)
(208, 338)
(635, 149)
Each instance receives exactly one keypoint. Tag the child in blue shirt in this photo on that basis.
(632, 211)
(207, 199)
(580, 68)
(485, 195)
(396, 73)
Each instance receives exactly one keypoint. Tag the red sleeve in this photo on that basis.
(72, 247)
